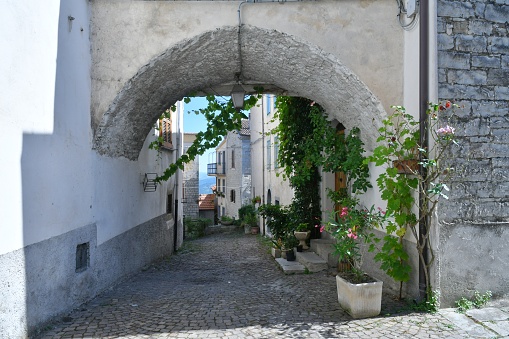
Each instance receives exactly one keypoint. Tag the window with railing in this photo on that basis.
(165, 132)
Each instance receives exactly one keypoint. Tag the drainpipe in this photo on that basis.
(423, 125)
(263, 163)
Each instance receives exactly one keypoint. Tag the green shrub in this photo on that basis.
(195, 227)
(246, 210)
(226, 218)
(477, 301)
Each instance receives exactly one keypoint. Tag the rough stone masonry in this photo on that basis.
(473, 70)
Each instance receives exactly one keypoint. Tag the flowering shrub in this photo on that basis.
(351, 225)
(400, 140)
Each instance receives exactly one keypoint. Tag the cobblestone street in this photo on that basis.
(228, 286)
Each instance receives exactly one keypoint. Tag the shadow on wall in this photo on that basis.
(63, 264)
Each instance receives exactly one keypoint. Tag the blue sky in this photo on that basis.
(196, 123)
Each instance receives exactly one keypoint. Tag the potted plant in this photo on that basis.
(289, 242)
(256, 200)
(252, 221)
(302, 233)
(226, 220)
(247, 215)
(359, 294)
(278, 224)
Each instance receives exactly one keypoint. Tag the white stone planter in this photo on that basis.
(360, 300)
(302, 237)
(276, 253)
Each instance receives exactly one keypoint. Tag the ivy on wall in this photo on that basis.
(221, 116)
(307, 143)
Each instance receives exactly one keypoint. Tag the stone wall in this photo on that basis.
(191, 184)
(42, 279)
(473, 69)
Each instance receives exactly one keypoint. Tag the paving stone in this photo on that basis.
(468, 325)
(312, 261)
(487, 314)
(205, 293)
(290, 267)
(501, 327)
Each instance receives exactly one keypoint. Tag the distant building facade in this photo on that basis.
(190, 181)
(232, 170)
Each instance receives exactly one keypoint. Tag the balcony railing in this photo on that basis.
(215, 169)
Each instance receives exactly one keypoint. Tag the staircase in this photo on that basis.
(318, 257)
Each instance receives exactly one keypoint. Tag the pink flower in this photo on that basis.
(344, 212)
(351, 234)
(312, 103)
(322, 227)
(444, 131)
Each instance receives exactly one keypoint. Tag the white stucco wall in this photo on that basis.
(54, 176)
(54, 183)
(27, 102)
(364, 35)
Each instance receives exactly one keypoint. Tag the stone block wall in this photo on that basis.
(191, 182)
(473, 70)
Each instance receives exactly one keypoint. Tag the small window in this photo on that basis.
(165, 130)
(232, 195)
(82, 257)
(268, 104)
(169, 204)
(233, 158)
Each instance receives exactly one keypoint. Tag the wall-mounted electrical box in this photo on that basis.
(411, 7)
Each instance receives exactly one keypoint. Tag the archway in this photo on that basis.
(211, 60)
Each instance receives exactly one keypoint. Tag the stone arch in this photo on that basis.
(212, 59)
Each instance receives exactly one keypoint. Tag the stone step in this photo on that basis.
(290, 267)
(312, 261)
(325, 249)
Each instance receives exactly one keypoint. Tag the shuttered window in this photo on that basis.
(165, 132)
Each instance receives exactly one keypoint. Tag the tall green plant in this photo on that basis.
(307, 142)
(399, 143)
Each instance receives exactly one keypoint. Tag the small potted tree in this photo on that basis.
(278, 222)
(248, 217)
(358, 294)
(289, 243)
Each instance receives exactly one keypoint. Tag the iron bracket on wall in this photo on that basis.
(149, 182)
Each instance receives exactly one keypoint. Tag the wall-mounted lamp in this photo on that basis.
(70, 19)
(149, 182)
(238, 94)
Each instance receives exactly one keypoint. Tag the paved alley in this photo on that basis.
(228, 286)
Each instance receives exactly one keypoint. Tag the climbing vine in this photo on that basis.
(221, 116)
(307, 142)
